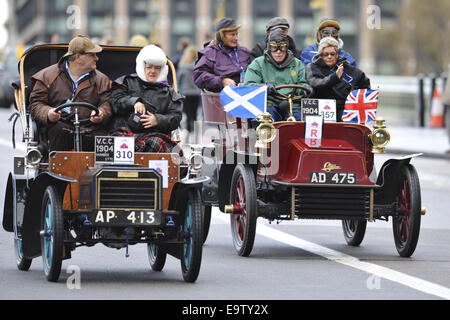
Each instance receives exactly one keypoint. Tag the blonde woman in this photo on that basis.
(332, 77)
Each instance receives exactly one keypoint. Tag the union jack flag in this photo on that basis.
(361, 106)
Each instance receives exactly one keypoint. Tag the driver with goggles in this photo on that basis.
(277, 66)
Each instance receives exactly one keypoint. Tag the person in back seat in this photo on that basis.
(144, 105)
(223, 61)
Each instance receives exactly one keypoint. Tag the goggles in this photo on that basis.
(274, 47)
(329, 32)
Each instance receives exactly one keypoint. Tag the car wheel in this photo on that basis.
(156, 257)
(191, 256)
(354, 231)
(243, 197)
(22, 263)
(52, 234)
(206, 221)
(406, 224)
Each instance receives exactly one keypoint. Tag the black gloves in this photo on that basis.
(271, 91)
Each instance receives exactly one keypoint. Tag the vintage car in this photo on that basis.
(260, 168)
(56, 203)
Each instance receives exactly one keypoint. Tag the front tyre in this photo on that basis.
(191, 254)
(406, 224)
(354, 231)
(206, 221)
(156, 257)
(243, 220)
(22, 263)
(52, 233)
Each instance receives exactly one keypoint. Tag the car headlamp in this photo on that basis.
(195, 160)
(265, 132)
(34, 155)
(379, 137)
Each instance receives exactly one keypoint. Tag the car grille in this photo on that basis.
(331, 203)
(133, 194)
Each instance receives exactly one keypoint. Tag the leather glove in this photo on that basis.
(271, 91)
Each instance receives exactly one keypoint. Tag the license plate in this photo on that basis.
(332, 177)
(125, 217)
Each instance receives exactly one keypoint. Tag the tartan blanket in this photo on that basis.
(147, 142)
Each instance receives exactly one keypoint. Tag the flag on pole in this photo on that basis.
(244, 102)
(361, 106)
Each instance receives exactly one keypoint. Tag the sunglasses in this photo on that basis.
(274, 47)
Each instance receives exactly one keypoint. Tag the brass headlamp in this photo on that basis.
(379, 137)
(265, 132)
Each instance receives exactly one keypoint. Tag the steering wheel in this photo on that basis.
(79, 104)
(293, 96)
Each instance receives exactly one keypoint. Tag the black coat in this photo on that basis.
(327, 85)
(158, 98)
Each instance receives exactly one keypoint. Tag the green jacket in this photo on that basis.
(263, 71)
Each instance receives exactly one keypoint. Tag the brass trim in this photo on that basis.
(328, 167)
(293, 203)
(97, 200)
(371, 206)
(127, 174)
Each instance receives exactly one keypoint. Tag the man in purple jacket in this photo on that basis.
(222, 62)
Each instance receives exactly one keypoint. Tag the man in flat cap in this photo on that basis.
(328, 27)
(273, 24)
(73, 79)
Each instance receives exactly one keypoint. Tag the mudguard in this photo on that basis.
(389, 179)
(31, 240)
(8, 208)
(179, 190)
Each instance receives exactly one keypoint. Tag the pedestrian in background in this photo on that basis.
(182, 44)
(188, 88)
(446, 103)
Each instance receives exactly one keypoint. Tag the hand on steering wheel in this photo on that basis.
(70, 118)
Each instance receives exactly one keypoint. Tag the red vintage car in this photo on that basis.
(260, 168)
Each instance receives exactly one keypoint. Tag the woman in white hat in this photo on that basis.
(145, 105)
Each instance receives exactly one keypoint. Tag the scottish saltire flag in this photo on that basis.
(361, 106)
(244, 102)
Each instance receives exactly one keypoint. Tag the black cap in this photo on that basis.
(278, 22)
(278, 36)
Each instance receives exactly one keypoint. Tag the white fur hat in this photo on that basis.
(154, 55)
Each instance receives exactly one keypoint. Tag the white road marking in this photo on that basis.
(339, 257)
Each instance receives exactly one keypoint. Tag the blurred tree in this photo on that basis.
(420, 42)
